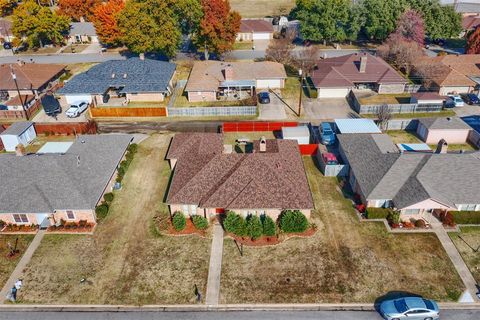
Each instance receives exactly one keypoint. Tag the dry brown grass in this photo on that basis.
(262, 8)
(126, 261)
(471, 235)
(8, 264)
(345, 261)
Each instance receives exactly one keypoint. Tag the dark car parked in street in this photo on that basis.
(471, 98)
(264, 97)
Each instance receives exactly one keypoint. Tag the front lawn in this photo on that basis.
(126, 261)
(467, 241)
(7, 264)
(345, 261)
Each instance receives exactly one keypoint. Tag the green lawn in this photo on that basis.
(75, 48)
(345, 261)
(243, 45)
(467, 247)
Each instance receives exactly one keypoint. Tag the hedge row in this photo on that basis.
(466, 217)
(122, 170)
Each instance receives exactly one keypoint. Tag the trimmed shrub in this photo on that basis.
(293, 221)
(234, 223)
(200, 222)
(420, 223)
(378, 213)
(394, 217)
(108, 197)
(133, 148)
(466, 217)
(121, 171)
(101, 211)
(447, 219)
(254, 227)
(269, 226)
(179, 221)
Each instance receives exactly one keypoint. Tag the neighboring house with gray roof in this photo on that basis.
(133, 79)
(412, 183)
(82, 32)
(451, 129)
(64, 186)
(209, 179)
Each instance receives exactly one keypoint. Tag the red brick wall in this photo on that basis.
(256, 126)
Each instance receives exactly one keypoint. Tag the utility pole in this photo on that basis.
(300, 73)
(14, 77)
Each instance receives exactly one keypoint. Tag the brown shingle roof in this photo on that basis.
(272, 180)
(453, 70)
(29, 75)
(207, 75)
(344, 71)
(470, 22)
(255, 26)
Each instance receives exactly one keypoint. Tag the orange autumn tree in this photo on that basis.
(105, 21)
(473, 42)
(77, 9)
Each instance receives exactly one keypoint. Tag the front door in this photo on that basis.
(42, 220)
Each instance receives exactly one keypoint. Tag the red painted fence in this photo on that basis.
(63, 128)
(256, 126)
(308, 149)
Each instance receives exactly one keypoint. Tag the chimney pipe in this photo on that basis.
(142, 56)
(442, 147)
(363, 64)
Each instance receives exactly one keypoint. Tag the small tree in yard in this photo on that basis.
(400, 53)
(269, 227)
(293, 221)
(254, 227)
(384, 114)
(200, 222)
(280, 50)
(234, 223)
(179, 221)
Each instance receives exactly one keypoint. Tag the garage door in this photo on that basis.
(333, 93)
(269, 83)
(261, 36)
(77, 98)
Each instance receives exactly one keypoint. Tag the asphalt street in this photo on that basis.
(244, 315)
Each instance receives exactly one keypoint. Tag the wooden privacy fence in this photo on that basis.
(67, 128)
(256, 126)
(308, 149)
(20, 114)
(128, 112)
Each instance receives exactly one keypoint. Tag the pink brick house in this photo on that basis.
(452, 130)
(208, 180)
(43, 189)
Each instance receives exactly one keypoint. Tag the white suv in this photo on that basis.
(76, 109)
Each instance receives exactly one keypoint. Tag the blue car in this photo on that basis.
(327, 134)
(412, 308)
(471, 98)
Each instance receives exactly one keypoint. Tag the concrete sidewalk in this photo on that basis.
(215, 267)
(17, 272)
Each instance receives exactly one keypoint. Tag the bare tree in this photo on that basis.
(281, 49)
(400, 53)
(307, 59)
(384, 114)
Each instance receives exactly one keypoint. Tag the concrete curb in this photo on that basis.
(217, 308)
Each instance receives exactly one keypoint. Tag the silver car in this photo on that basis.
(412, 308)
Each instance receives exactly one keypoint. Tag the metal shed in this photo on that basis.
(356, 126)
(300, 133)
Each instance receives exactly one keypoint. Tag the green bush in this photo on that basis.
(121, 171)
(235, 224)
(179, 221)
(101, 211)
(269, 226)
(293, 221)
(254, 227)
(108, 197)
(394, 217)
(466, 217)
(378, 213)
(133, 148)
(200, 222)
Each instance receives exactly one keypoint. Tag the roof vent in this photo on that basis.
(449, 119)
(263, 144)
(113, 75)
(124, 76)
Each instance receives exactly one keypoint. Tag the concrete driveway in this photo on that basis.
(261, 45)
(327, 109)
(42, 117)
(275, 110)
(467, 110)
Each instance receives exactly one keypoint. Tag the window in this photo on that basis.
(70, 215)
(467, 207)
(20, 218)
(411, 211)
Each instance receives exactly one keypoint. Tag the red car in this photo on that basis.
(329, 158)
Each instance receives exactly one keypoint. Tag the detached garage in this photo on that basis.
(18, 133)
(452, 130)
